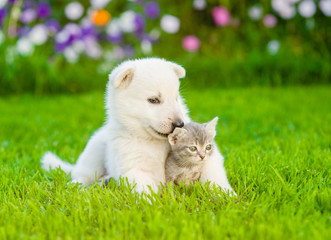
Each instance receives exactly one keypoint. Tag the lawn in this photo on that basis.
(276, 143)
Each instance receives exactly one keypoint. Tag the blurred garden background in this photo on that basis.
(71, 46)
(263, 67)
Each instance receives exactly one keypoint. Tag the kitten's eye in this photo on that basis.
(154, 100)
(208, 147)
(193, 149)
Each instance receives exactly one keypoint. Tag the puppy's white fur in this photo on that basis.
(130, 144)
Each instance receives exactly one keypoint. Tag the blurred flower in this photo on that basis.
(325, 6)
(146, 47)
(114, 33)
(273, 47)
(73, 30)
(100, 17)
(128, 50)
(155, 34)
(115, 38)
(74, 10)
(307, 8)
(255, 12)
(127, 21)
(3, 14)
(53, 26)
(118, 53)
(78, 46)
(70, 55)
(93, 49)
(3, 3)
(44, 10)
(284, 8)
(38, 34)
(23, 31)
(87, 27)
(199, 4)
(170, 24)
(28, 15)
(152, 10)
(2, 37)
(221, 16)
(269, 21)
(24, 46)
(191, 43)
(139, 23)
(99, 4)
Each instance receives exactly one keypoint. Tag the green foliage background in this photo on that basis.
(229, 56)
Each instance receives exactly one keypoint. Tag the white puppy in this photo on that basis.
(143, 106)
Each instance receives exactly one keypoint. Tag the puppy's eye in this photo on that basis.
(193, 149)
(154, 100)
(208, 147)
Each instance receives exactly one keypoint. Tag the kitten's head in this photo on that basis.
(193, 143)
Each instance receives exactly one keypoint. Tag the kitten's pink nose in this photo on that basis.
(202, 157)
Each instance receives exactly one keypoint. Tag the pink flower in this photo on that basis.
(191, 43)
(269, 21)
(221, 16)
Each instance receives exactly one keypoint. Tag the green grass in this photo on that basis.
(277, 148)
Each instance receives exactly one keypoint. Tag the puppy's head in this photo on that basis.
(143, 96)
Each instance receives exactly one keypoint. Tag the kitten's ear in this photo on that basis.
(176, 134)
(211, 126)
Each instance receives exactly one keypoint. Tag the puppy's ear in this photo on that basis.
(211, 126)
(179, 70)
(177, 133)
(121, 78)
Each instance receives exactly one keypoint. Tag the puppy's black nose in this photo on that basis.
(178, 124)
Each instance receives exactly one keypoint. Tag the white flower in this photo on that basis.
(273, 47)
(284, 8)
(325, 6)
(199, 4)
(3, 3)
(146, 47)
(307, 8)
(255, 12)
(170, 24)
(38, 34)
(62, 36)
(78, 46)
(99, 4)
(24, 46)
(70, 55)
(114, 27)
(74, 10)
(127, 21)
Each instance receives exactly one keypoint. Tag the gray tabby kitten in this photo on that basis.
(190, 148)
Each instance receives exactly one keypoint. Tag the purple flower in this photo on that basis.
(128, 51)
(270, 21)
(23, 31)
(53, 25)
(28, 15)
(152, 10)
(139, 22)
(118, 38)
(44, 10)
(28, 4)
(3, 14)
